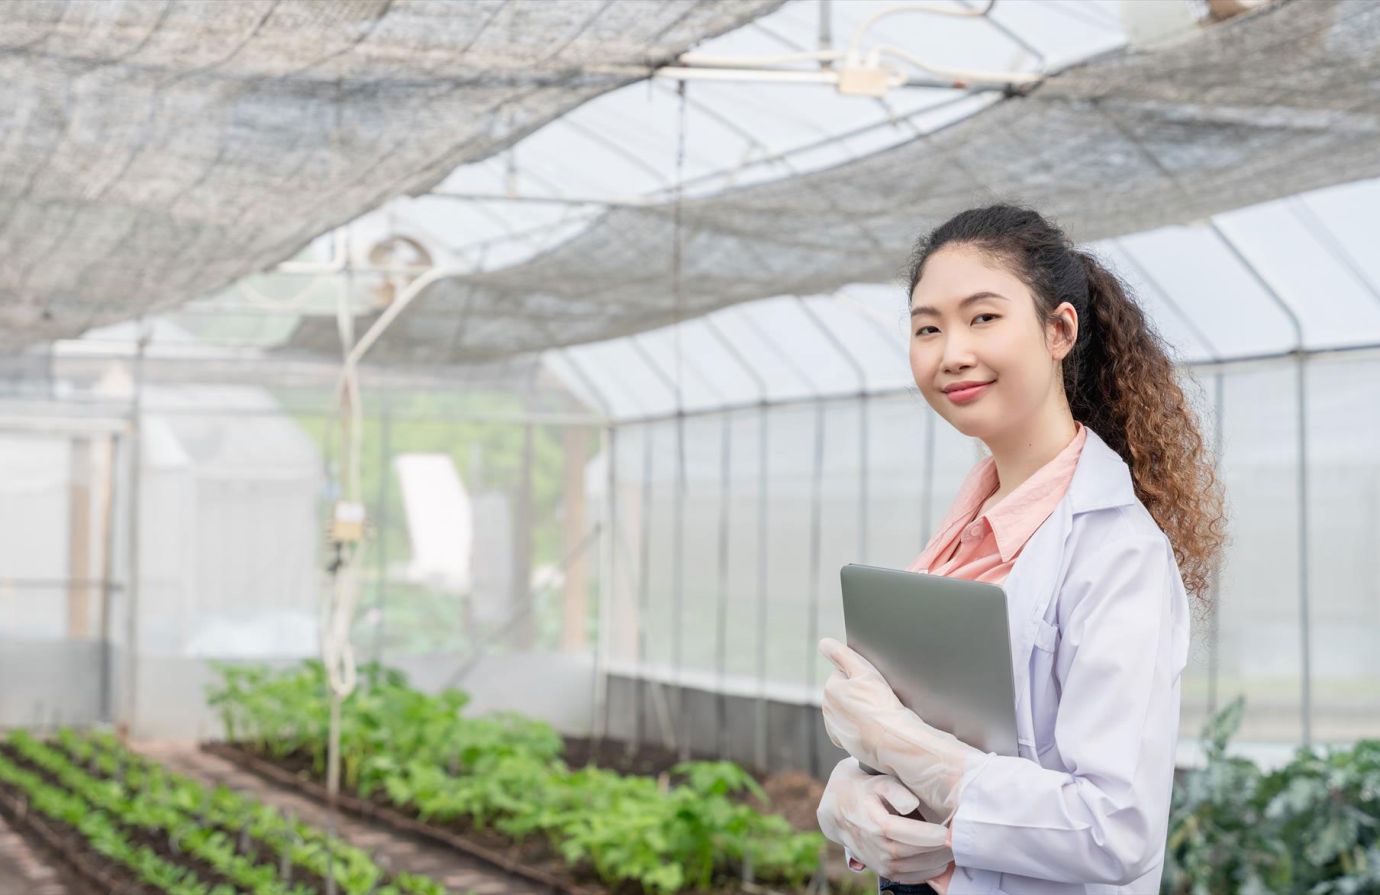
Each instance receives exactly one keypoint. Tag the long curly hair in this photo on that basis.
(1119, 378)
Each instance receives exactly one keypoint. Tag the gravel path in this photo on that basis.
(457, 872)
(22, 872)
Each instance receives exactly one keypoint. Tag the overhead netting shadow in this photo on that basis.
(153, 150)
(1268, 104)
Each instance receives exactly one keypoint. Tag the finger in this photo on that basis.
(913, 832)
(923, 875)
(829, 725)
(844, 659)
(933, 860)
(897, 796)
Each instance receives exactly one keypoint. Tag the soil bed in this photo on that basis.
(794, 794)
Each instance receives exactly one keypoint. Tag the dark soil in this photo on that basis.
(17, 871)
(794, 794)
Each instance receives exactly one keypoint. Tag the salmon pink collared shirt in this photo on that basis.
(983, 548)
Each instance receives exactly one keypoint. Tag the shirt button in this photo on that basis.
(975, 529)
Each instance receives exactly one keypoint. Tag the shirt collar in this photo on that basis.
(1021, 512)
(1017, 515)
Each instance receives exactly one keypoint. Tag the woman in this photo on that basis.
(1098, 512)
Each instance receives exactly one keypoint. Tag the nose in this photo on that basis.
(957, 356)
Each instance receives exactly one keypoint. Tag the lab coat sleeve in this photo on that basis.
(1103, 821)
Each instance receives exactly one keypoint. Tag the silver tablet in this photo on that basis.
(944, 646)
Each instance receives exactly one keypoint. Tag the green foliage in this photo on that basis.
(503, 772)
(1310, 826)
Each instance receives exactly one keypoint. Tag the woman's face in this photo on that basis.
(993, 337)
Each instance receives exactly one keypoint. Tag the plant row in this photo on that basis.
(106, 836)
(239, 845)
(294, 842)
(503, 773)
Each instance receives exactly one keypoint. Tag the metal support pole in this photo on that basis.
(811, 741)
(132, 586)
(525, 633)
(678, 740)
(643, 597)
(762, 737)
(1214, 629)
(607, 557)
(721, 610)
(1301, 377)
(108, 491)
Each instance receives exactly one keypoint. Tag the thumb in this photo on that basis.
(895, 793)
(844, 659)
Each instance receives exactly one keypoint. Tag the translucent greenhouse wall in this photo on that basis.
(234, 555)
(783, 497)
(235, 487)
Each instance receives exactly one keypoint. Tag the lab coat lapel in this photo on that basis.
(1101, 480)
(1029, 587)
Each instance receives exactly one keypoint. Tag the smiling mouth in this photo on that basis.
(963, 394)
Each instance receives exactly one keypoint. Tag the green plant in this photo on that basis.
(1308, 827)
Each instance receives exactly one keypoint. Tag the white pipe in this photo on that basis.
(958, 74)
(775, 76)
(748, 61)
(399, 304)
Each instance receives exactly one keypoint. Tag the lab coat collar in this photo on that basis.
(1101, 480)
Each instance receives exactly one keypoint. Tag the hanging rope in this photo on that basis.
(346, 536)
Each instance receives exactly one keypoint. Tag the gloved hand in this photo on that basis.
(863, 716)
(865, 813)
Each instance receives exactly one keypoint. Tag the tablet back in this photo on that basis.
(943, 644)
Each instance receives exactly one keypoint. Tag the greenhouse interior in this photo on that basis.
(456, 502)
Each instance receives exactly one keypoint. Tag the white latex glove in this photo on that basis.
(865, 813)
(863, 716)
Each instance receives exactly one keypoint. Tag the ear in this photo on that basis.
(1065, 330)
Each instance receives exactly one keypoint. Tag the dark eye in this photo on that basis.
(921, 330)
(993, 316)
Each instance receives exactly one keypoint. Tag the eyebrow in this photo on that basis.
(926, 310)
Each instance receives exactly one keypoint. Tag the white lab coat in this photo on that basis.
(1099, 636)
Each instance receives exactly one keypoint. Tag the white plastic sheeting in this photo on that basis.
(1312, 254)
